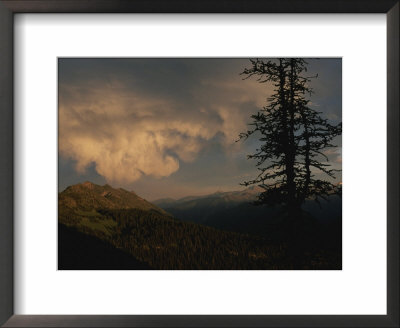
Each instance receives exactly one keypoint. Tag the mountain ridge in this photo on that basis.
(88, 196)
(238, 196)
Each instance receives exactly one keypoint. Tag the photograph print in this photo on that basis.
(199, 164)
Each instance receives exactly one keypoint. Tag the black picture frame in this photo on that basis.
(10, 7)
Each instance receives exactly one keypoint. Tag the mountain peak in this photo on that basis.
(89, 196)
(88, 184)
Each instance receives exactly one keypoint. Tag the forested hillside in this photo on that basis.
(151, 238)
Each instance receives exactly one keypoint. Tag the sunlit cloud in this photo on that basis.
(127, 135)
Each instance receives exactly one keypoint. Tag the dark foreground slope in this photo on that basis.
(79, 251)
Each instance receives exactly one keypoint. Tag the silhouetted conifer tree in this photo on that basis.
(293, 138)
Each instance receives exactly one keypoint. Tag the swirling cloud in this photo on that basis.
(128, 129)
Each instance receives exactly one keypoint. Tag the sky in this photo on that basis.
(167, 128)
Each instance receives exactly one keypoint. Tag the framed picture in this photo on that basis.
(189, 208)
(171, 167)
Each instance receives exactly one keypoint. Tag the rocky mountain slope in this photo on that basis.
(88, 196)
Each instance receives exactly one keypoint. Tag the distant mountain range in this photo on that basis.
(230, 197)
(235, 211)
(101, 227)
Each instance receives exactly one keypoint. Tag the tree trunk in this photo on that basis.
(292, 199)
